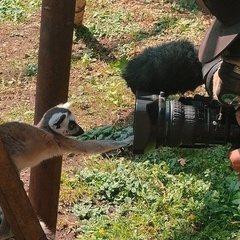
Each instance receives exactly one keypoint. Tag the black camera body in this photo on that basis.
(187, 122)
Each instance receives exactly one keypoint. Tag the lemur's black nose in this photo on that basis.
(79, 132)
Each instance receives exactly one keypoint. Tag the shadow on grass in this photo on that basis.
(104, 53)
(107, 53)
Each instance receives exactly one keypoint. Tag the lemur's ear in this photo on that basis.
(56, 120)
(64, 105)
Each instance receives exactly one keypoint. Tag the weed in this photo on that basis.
(119, 64)
(16, 10)
(185, 5)
(82, 33)
(109, 19)
(163, 24)
(31, 69)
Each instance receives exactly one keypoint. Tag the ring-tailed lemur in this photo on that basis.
(28, 145)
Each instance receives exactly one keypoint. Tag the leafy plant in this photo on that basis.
(111, 20)
(119, 64)
(107, 133)
(163, 24)
(17, 10)
(189, 5)
(31, 69)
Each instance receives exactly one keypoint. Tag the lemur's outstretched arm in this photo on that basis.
(91, 146)
(28, 145)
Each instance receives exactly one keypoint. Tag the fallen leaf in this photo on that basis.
(182, 162)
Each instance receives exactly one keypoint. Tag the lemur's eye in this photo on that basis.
(72, 125)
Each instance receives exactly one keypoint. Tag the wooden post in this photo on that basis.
(15, 202)
(54, 60)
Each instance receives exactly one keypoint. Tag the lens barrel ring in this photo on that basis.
(181, 124)
(189, 126)
(175, 121)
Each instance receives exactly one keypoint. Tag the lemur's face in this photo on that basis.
(64, 123)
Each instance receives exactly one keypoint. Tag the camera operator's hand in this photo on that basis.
(234, 152)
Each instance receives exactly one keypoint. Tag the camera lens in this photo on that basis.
(188, 122)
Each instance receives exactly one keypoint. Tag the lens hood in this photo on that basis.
(145, 122)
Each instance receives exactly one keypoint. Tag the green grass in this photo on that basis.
(17, 10)
(155, 197)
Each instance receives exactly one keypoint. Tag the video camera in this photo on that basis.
(187, 122)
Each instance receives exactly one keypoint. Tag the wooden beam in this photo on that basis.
(56, 33)
(15, 202)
